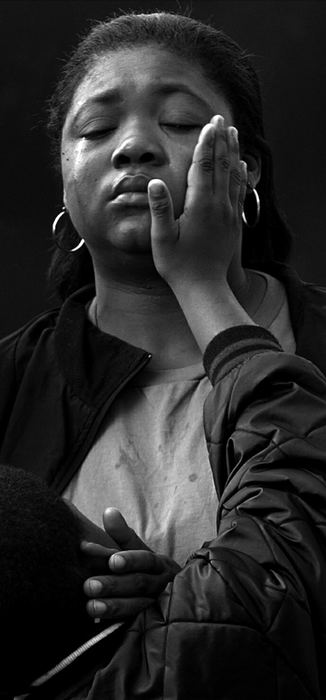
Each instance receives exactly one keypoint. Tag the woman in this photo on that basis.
(159, 122)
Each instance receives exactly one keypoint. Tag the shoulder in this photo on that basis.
(30, 331)
(307, 308)
(17, 348)
(297, 289)
(39, 333)
(47, 321)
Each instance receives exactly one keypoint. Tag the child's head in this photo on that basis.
(42, 604)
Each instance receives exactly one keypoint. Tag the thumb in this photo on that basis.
(164, 228)
(116, 526)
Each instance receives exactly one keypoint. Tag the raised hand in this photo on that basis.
(202, 242)
(136, 574)
(194, 253)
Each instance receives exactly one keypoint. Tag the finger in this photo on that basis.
(116, 526)
(93, 549)
(135, 585)
(117, 609)
(235, 170)
(136, 560)
(91, 531)
(164, 228)
(221, 158)
(201, 171)
(96, 557)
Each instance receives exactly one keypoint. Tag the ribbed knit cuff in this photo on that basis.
(234, 345)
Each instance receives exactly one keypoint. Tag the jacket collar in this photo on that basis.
(95, 364)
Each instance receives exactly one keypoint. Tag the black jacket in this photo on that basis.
(245, 618)
(59, 375)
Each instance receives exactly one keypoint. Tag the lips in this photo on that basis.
(131, 183)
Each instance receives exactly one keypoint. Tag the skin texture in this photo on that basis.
(139, 130)
(154, 132)
(172, 262)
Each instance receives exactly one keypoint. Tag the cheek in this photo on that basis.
(79, 184)
(181, 163)
(78, 174)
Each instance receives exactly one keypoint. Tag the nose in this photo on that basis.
(138, 146)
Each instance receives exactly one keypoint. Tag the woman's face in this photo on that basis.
(137, 115)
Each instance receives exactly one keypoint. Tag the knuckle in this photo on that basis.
(140, 584)
(206, 164)
(111, 610)
(109, 586)
(160, 207)
(224, 162)
(235, 175)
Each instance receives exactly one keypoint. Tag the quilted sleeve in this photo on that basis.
(246, 617)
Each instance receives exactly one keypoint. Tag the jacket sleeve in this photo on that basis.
(246, 617)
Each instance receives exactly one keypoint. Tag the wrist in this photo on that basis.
(210, 307)
(198, 282)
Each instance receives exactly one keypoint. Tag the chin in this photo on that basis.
(133, 236)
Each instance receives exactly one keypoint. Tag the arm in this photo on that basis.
(246, 616)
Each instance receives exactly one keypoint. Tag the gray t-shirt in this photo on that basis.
(150, 458)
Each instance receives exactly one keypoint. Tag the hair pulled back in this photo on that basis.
(228, 68)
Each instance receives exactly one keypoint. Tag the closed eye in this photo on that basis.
(97, 133)
(182, 127)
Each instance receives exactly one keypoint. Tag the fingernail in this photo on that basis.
(99, 608)
(234, 133)
(209, 133)
(244, 167)
(95, 587)
(219, 120)
(156, 189)
(117, 561)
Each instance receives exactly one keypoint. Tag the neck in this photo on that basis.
(134, 303)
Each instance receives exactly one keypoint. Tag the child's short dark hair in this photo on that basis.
(42, 604)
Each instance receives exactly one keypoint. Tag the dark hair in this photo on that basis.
(228, 68)
(42, 604)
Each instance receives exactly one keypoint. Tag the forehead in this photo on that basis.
(146, 71)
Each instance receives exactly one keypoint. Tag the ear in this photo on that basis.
(253, 161)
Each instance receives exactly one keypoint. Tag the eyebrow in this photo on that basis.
(114, 96)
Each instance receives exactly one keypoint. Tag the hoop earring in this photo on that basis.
(254, 223)
(64, 226)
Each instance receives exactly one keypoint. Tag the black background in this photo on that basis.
(288, 42)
